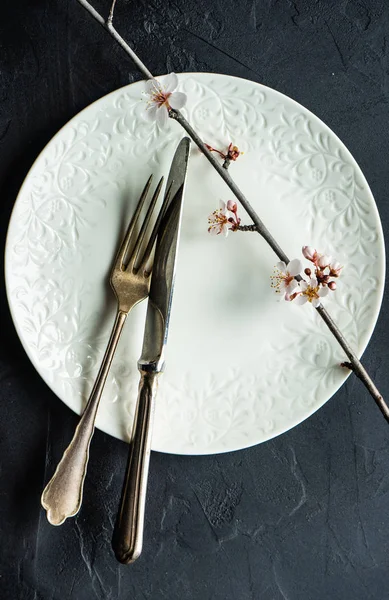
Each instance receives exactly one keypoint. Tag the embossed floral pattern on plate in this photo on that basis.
(257, 366)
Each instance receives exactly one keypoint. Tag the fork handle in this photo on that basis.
(62, 496)
(128, 534)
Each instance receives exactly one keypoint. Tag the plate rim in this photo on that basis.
(376, 308)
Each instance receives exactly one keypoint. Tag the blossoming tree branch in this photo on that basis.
(310, 285)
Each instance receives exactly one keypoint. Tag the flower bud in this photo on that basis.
(308, 271)
(233, 152)
(324, 261)
(309, 253)
(232, 206)
(335, 269)
(322, 277)
(332, 285)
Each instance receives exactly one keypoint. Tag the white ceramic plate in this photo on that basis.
(242, 367)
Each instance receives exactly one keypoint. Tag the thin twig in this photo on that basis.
(110, 16)
(258, 225)
(363, 375)
(247, 228)
(118, 38)
(356, 364)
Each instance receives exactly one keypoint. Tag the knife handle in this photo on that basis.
(128, 534)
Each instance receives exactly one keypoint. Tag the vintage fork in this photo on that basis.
(130, 280)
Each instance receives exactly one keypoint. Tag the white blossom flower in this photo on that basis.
(221, 220)
(310, 292)
(162, 97)
(317, 286)
(283, 280)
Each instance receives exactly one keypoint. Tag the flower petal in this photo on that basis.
(222, 206)
(162, 116)
(281, 266)
(177, 100)
(291, 287)
(295, 267)
(152, 85)
(316, 302)
(313, 282)
(151, 112)
(324, 261)
(301, 299)
(323, 292)
(224, 230)
(335, 268)
(309, 252)
(303, 285)
(170, 82)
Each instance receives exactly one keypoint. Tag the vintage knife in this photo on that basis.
(128, 535)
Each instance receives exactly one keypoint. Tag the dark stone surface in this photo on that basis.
(303, 517)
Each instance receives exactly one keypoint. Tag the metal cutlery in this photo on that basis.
(130, 280)
(128, 535)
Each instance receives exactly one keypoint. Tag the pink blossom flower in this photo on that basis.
(232, 153)
(318, 284)
(221, 220)
(323, 261)
(310, 292)
(162, 98)
(232, 206)
(310, 253)
(283, 280)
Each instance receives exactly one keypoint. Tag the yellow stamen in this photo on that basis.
(311, 293)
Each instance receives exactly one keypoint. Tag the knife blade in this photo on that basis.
(162, 279)
(128, 534)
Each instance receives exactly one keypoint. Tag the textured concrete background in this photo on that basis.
(303, 517)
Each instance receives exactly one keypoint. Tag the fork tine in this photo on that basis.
(154, 233)
(124, 247)
(133, 259)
